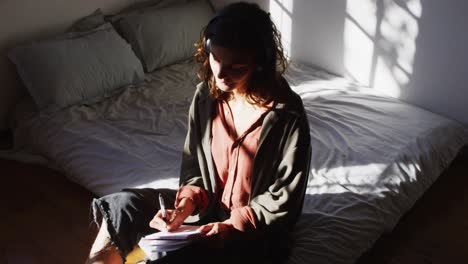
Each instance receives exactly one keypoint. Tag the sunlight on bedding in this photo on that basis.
(380, 42)
(361, 179)
(170, 183)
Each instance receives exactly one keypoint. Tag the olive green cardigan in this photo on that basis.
(280, 168)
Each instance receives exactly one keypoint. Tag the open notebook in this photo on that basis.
(155, 244)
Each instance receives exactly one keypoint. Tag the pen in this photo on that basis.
(162, 206)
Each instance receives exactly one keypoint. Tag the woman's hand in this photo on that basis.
(174, 217)
(222, 229)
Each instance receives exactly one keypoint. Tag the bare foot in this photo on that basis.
(102, 251)
(107, 255)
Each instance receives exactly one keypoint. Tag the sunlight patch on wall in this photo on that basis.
(281, 14)
(415, 8)
(385, 59)
(359, 49)
(363, 12)
(399, 29)
(385, 79)
(359, 30)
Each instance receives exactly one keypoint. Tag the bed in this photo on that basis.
(373, 156)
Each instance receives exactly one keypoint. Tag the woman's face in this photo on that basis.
(231, 68)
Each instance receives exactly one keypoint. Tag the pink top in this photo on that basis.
(233, 157)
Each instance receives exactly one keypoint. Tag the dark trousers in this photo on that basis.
(128, 213)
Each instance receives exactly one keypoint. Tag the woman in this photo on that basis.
(246, 157)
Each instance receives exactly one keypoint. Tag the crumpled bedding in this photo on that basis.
(372, 156)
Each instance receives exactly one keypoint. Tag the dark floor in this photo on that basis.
(47, 220)
(436, 229)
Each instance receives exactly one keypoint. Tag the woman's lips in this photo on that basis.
(225, 83)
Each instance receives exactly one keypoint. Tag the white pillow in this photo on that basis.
(76, 68)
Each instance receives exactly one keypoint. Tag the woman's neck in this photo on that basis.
(238, 96)
(240, 100)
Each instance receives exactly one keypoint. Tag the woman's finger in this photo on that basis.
(158, 223)
(171, 226)
(176, 221)
(205, 228)
(214, 230)
(173, 220)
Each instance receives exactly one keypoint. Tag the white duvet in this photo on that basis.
(372, 156)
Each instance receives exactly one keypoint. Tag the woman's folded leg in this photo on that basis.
(125, 219)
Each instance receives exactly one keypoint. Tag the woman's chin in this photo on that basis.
(224, 87)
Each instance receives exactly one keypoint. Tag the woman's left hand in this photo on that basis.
(222, 229)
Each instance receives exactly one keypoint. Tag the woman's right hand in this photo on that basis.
(174, 217)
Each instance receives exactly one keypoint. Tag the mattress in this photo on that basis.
(373, 156)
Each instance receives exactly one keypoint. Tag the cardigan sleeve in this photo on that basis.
(281, 203)
(191, 181)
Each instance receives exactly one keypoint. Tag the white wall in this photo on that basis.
(415, 50)
(440, 77)
(317, 33)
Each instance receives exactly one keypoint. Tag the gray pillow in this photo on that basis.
(88, 22)
(163, 36)
(77, 68)
(140, 7)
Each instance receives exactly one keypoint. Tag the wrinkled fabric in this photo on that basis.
(373, 156)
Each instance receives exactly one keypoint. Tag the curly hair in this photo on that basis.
(244, 26)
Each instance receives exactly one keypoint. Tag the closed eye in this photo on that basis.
(239, 67)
